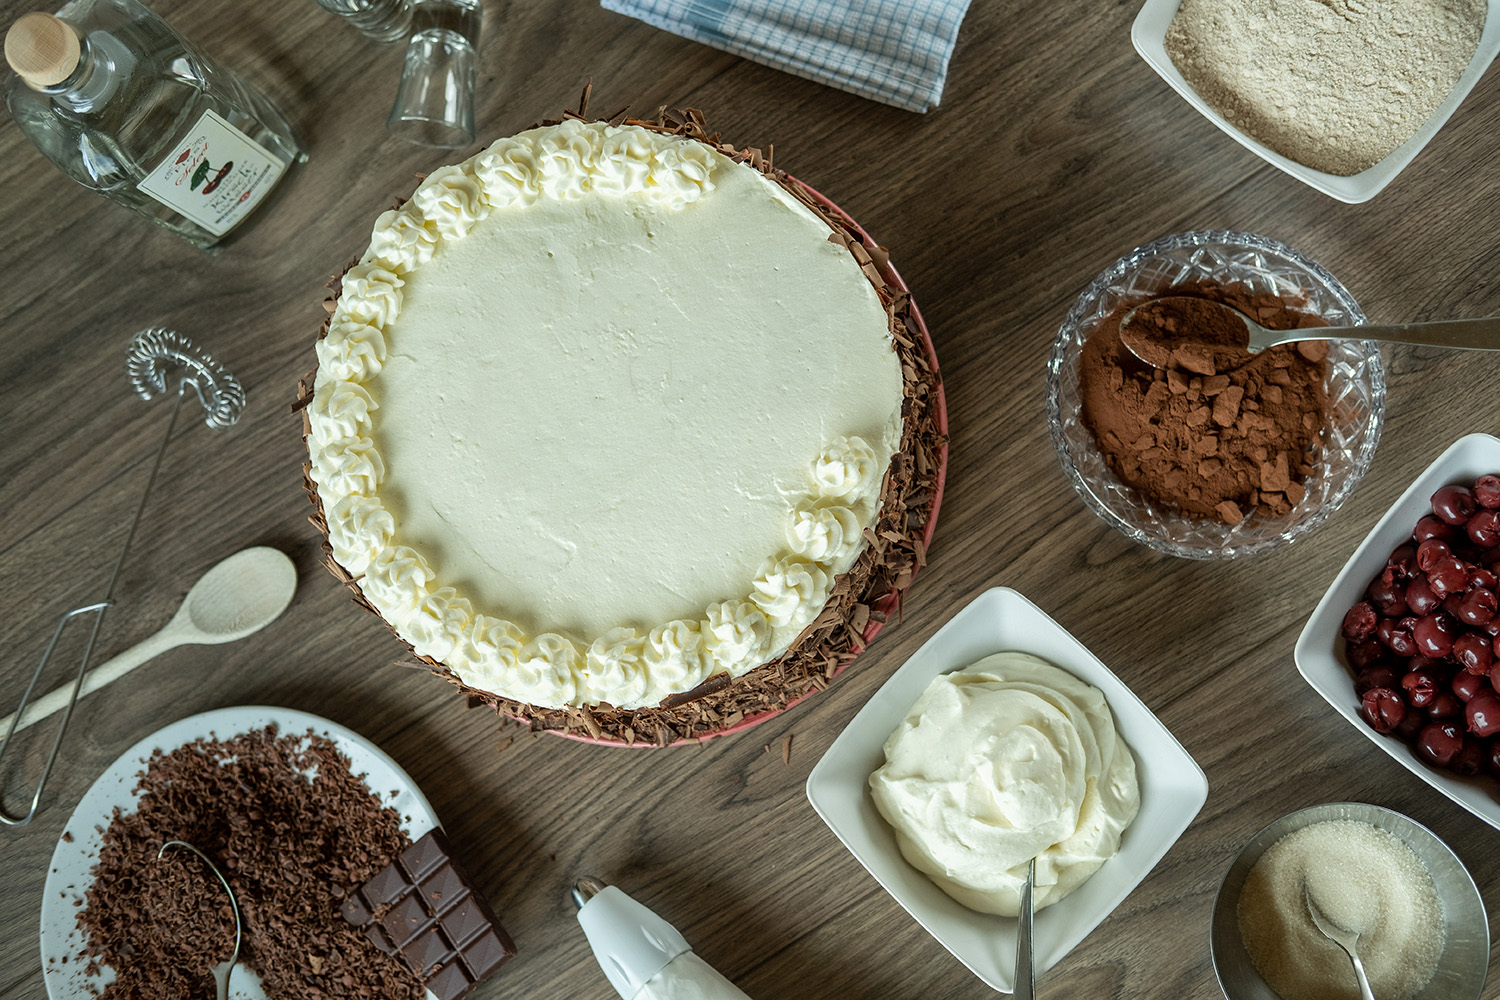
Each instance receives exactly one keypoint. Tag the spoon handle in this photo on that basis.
(1359, 973)
(111, 670)
(1464, 334)
(1025, 972)
(221, 979)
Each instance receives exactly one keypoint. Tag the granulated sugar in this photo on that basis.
(1333, 84)
(1363, 879)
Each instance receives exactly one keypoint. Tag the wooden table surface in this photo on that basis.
(1056, 150)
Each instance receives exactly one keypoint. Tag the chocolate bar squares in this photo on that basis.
(423, 908)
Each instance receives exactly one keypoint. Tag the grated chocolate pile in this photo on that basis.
(291, 828)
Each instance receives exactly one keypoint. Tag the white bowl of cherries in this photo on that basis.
(1406, 642)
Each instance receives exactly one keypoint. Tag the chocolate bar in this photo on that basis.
(423, 908)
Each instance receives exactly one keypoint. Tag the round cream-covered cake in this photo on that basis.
(602, 413)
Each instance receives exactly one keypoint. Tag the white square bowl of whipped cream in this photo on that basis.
(1171, 788)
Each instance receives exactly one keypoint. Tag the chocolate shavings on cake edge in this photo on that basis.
(862, 599)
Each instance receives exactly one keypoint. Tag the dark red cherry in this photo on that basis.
(1402, 641)
(1466, 685)
(1434, 527)
(1410, 726)
(1470, 759)
(1360, 622)
(1377, 677)
(1482, 713)
(1484, 528)
(1434, 635)
(1419, 596)
(1454, 504)
(1363, 655)
(1444, 706)
(1450, 576)
(1432, 552)
(1384, 710)
(1439, 742)
(1478, 607)
(1434, 667)
(1420, 688)
(1472, 652)
(1389, 597)
(1487, 491)
(1403, 562)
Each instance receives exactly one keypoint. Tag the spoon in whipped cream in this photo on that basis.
(1206, 337)
(1025, 970)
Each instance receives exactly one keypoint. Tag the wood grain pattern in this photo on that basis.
(1056, 150)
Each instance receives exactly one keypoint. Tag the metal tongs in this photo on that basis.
(155, 358)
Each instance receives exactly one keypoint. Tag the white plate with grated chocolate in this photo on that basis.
(294, 809)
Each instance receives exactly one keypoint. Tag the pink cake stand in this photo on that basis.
(891, 601)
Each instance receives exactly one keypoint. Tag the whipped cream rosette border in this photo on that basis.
(691, 662)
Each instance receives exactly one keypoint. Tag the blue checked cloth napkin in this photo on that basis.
(892, 51)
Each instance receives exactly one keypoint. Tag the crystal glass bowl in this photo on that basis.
(1356, 392)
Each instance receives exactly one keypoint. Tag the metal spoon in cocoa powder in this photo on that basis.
(1164, 332)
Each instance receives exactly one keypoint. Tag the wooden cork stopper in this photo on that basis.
(42, 49)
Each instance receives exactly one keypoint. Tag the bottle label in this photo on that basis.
(214, 176)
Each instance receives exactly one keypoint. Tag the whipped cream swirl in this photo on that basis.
(1007, 760)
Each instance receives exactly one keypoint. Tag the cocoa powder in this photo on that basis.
(291, 828)
(1190, 334)
(1195, 437)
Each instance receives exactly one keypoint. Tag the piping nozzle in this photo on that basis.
(585, 889)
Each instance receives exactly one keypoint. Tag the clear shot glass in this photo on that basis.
(382, 20)
(435, 102)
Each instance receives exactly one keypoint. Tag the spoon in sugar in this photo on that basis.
(1143, 340)
(1347, 940)
(238, 596)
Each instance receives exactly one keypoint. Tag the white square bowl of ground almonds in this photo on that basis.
(1341, 94)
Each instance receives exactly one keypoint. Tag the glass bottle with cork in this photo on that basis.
(128, 108)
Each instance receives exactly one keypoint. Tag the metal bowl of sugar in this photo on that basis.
(1463, 957)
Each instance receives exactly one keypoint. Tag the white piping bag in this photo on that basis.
(643, 956)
